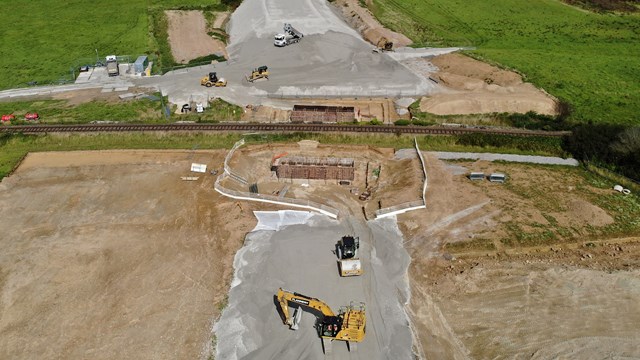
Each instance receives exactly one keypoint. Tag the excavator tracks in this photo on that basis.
(417, 130)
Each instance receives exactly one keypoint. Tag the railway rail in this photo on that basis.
(418, 130)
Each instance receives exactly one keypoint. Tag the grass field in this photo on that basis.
(588, 59)
(59, 112)
(42, 40)
(131, 111)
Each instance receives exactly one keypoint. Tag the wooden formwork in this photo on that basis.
(314, 168)
(322, 114)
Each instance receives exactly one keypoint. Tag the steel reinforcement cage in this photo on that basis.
(315, 168)
(322, 114)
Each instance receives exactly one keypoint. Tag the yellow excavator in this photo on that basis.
(348, 325)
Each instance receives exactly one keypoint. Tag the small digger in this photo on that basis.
(213, 80)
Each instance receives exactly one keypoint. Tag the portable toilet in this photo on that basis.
(141, 64)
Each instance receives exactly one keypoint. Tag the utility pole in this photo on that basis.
(97, 57)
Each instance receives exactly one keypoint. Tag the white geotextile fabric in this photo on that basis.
(275, 220)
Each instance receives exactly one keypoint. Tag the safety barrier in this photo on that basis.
(227, 168)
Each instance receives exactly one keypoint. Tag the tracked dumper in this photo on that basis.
(347, 252)
(348, 325)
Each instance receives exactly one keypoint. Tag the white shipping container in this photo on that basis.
(201, 168)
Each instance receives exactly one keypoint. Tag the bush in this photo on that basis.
(534, 121)
(232, 3)
(207, 59)
(615, 147)
(402, 122)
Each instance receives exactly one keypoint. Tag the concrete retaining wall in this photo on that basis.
(304, 204)
(409, 206)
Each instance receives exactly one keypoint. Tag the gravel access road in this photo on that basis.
(549, 160)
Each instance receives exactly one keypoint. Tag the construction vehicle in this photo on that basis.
(260, 73)
(7, 118)
(112, 65)
(348, 325)
(290, 36)
(213, 80)
(31, 116)
(383, 45)
(347, 252)
(365, 195)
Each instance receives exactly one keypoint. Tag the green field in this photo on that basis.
(145, 110)
(43, 40)
(590, 60)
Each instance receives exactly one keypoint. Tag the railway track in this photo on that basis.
(418, 130)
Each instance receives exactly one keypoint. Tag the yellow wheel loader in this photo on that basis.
(213, 80)
(348, 325)
(260, 73)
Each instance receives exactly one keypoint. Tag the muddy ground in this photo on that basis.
(188, 35)
(503, 297)
(110, 255)
(479, 88)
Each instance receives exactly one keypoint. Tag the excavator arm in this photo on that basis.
(306, 302)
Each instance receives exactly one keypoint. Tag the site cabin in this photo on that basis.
(497, 177)
(475, 176)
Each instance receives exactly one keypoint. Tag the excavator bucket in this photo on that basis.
(297, 316)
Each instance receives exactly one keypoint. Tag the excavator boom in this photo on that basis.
(285, 297)
(348, 325)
